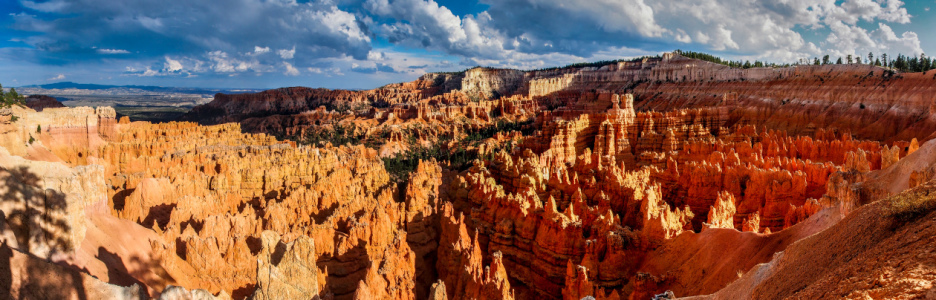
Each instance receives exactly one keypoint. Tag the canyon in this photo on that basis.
(636, 179)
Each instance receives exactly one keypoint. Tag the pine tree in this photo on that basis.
(870, 57)
(849, 59)
(825, 59)
(924, 63)
(839, 61)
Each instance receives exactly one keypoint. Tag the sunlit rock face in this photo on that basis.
(620, 181)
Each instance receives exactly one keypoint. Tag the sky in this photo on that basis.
(362, 44)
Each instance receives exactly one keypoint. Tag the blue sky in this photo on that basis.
(360, 44)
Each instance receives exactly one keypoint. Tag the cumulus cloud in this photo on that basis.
(261, 50)
(512, 29)
(57, 77)
(173, 65)
(150, 29)
(355, 67)
(290, 70)
(287, 54)
(907, 43)
(333, 71)
(184, 38)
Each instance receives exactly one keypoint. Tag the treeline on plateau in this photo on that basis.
(901, 63)
(734, 64)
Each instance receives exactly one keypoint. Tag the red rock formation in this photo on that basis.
(40, 102)
(595, 195)
(721, 215)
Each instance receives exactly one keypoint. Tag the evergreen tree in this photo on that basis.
(839, 61)
(825, 59)
(924, 63)
(849, 59)
(815, 61)
(870, 57)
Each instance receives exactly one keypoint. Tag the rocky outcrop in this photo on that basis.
(45, 203)
(40, 102)
(286, 272)
(721, 215)
(460, 263)
(491, 83)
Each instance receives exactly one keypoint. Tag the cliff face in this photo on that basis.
(491, 83)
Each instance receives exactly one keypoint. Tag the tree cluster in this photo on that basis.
(734, 64)
(457, 155)
(901, 63)
(341, 135)
(12, 97)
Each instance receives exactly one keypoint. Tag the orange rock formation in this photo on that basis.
(757, 183)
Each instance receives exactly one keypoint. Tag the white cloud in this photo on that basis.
(112, 51)
(149, 73)
(514, 30)
(172, 65)
(427, 25)
(261, 50)
(319, 28)
(287, 54)
(223, 63)
(376, 56)
(326, 71)
(290, 70)
(907, 43)
(57, 77)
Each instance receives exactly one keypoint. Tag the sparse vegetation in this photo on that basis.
(342, 134)
(911, 205)
(459, 157)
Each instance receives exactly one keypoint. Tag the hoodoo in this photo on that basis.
(621, 180)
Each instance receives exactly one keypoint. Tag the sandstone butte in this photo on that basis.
(622, 181)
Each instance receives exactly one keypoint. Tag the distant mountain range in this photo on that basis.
(155, 89)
